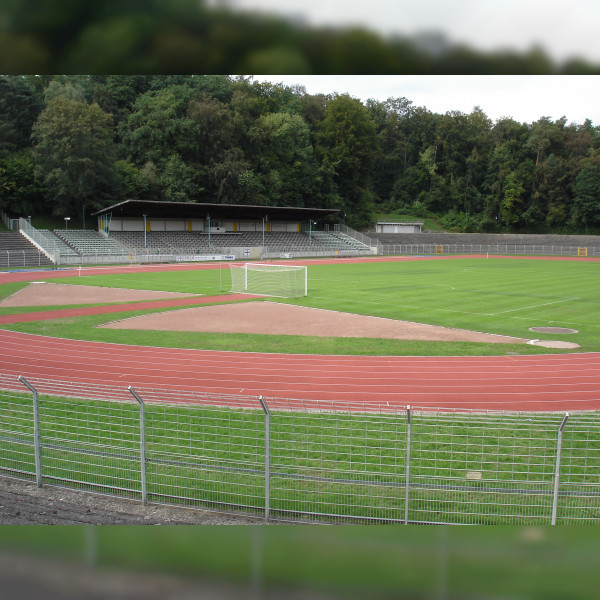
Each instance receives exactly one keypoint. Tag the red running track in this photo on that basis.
(564, 382)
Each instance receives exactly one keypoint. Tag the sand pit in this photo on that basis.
(284, 319)
(60, 294)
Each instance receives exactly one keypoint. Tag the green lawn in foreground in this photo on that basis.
(502, 296)
(338, 465)
(538, 563)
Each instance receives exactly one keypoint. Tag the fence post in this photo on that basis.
(407, 478)
(36, 432)
(267, 457)
(142, 445)
(557, 468)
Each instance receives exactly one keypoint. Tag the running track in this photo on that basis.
(529, 383)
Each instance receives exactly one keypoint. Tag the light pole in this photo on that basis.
(310, 223)
(265, 219)
(208, 217)
(145, 232)
(67, 219)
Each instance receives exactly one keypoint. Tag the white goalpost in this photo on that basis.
(286, 281)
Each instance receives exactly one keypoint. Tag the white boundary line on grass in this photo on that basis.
(534, 306)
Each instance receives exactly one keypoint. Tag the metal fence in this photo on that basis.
(485, 249)
(303, 460)
(22, 258)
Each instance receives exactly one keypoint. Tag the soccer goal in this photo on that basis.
(286, 281)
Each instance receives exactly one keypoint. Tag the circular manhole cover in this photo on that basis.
(553, 330)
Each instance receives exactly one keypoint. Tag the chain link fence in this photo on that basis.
(301, 460)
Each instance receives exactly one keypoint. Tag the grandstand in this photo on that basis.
(339, 242)
(89, 243)
(52, 241)
(469, 243)
(184, 242)
(18, 251)
(526, 239)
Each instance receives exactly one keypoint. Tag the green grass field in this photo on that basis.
(501, 296)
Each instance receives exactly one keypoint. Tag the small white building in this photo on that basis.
(406, 227)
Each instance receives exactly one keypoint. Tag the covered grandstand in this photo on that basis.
(144, 231)
(151, 231)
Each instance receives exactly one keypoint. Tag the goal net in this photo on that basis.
(286, 281)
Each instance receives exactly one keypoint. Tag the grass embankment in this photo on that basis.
(332, 466)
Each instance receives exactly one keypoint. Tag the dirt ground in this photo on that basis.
(256, 317)
(22, 502)
(59, 294)
(275, 318)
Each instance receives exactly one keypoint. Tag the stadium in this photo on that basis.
(274, 364)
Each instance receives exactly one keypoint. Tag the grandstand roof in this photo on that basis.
(190, 210)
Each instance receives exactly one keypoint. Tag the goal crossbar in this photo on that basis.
(287, 281)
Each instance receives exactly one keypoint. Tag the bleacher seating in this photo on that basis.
(339, 241)
(485, 239)
(54, 243)
(89, 243)
(18, 251)
(185, 242)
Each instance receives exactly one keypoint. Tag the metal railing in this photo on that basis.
(301, 460)
(485, 249)
(21, 258)
(363, 239)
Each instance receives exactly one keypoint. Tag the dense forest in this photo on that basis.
(70, 145)
(208, 36)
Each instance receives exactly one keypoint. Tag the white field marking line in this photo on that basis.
(458, 329)
(534, 306)
(559, 322)
(105, 287)
(461, 312)
(120, 280)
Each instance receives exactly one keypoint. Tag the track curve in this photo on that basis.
(562, 382)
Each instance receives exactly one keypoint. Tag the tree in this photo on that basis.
(510, 209)
(586, 200)
(177, 181)
(19, 109)
(213, 128)
(20, 193)
(540, 139)
(348, 141)
(74, 156)
(286, 158)
(158, 127)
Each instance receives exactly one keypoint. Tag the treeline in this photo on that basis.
(70, 145)
(195, 36)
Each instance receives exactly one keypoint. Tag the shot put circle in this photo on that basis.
(553, 330)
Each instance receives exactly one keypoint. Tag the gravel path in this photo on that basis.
(22, 502)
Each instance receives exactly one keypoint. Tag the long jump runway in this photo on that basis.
(564, 382)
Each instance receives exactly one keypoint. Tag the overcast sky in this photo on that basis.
(563, 28)
(525, 98)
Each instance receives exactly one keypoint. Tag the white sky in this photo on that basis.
(525, 98)
(564, 29)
